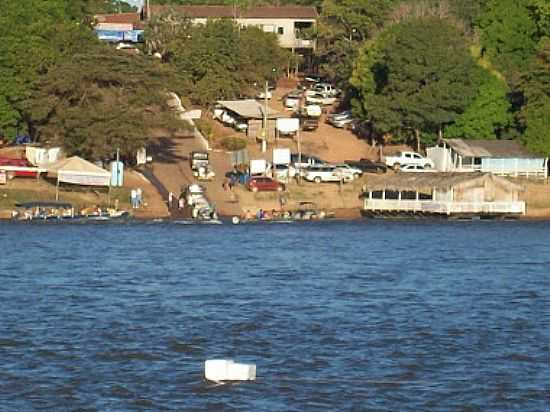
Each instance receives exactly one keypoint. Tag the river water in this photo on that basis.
(337, 316)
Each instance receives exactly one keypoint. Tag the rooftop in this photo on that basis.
(258, 12)
(249, 109)
(425, 182)
(120, 18)
(489, 148)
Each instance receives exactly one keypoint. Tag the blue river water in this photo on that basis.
(337, 316)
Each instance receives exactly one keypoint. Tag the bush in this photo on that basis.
(205, 127)
(233, 143)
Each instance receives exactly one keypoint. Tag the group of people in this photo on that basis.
(136, 198)
(262, 214)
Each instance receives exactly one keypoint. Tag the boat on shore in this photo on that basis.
(39, 211)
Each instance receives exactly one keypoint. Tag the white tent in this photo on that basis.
(78, 171)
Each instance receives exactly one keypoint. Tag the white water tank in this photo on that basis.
(219, 370)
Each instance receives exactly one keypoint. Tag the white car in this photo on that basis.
(310, 110)
(340, 120)
(262, 95)
(326, 173)
(194, 193)
(240, 125)
(408, 158)
(283, 173)
(348, 170)
(326, 88)
(320, 98)
(292, 99)
(415, 168)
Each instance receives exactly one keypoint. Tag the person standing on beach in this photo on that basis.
(170, 200)
(133, 198)
(139, 197)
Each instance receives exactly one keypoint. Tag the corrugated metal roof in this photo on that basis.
(259, 12)
(249, 109)
(490, 148)
(127, 18)
(428, 181)
(121, 18)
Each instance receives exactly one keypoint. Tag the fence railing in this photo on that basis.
(447, 208)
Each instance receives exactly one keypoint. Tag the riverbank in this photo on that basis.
(343, 201)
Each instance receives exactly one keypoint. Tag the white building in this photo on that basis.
(289, 23)
(500, 157)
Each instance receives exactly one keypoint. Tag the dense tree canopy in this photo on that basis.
(219, 59)
(487, 115)
(508, 35)
(535, 115)
(111, 104)
(34, 35)
(419, 77)
(343, 26)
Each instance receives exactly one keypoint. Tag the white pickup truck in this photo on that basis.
(409, 158)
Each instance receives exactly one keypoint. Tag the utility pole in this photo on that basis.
(266, 128)
(148, 9)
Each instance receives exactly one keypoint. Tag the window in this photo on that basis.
(281, 30)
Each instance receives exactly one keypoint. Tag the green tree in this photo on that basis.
(535, 114)
(489, 113)
(34, 35)
(343, 26)
(508, 36)
(220, 60)
(418, 76)
(112, 103)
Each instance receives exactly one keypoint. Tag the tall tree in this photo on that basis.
(488, 114)
(508, 36)
(34, 35)
(102, 100)
(535, 115)
(343, 26)
(417, 77)
(219, 59)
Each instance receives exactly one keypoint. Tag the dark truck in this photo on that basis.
(200, 165)
(309, 124)
(368, 166)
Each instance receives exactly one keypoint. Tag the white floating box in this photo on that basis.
(219, 370)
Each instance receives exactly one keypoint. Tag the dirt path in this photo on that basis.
(172, 171)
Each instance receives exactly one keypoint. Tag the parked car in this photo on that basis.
(367, 165)
(322, 99)
(348, 170)
(292, 99)
(240, 125)
(408, 158)
(310, 110)
(304, 161)
(262, 95)
(340, 119)
(264, 184)
(415, 168)
(194, 194)
(282, 172)
(326, 88)
(309, 124)
(326, 173)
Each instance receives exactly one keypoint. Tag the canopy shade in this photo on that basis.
(78, 171)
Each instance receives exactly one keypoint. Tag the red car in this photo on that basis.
(264, 184)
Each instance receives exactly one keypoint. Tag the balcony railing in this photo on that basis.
(444, 208)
